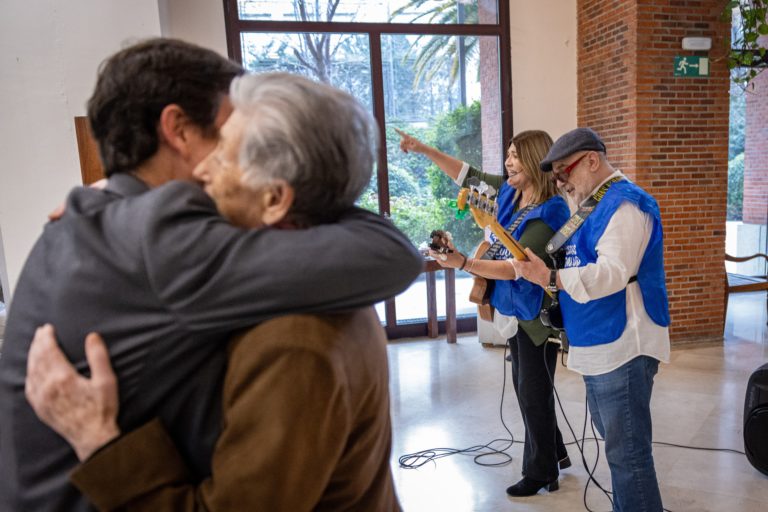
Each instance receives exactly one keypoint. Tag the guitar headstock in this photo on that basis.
(481, 198)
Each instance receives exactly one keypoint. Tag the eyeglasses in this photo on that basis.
(562, 176)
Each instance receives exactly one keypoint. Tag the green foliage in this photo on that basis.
(417, 213)
(457, 134)
(747, 55)
(737, 122)
(735, 187)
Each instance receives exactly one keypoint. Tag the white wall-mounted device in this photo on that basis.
(697, 43)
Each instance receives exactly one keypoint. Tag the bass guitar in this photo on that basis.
(480, 199)
(480, 293)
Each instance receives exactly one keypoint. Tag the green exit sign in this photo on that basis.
(691, 65)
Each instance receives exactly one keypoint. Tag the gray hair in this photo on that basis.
(319, 139)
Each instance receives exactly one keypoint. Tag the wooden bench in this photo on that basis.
(739, 283)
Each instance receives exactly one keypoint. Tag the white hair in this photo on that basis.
(319, 139)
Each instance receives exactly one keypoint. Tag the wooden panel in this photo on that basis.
(450, 305)
(432, 329)
(91, 167)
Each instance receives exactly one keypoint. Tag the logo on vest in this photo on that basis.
(571, 259)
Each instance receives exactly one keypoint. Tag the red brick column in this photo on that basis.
(669, 134)
(490, 114)
(755, 206)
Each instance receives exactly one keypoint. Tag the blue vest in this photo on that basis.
(603, 320)
(522, 298)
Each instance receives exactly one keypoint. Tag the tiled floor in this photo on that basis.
(449, 395)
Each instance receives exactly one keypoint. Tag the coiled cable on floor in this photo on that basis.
(482, 451)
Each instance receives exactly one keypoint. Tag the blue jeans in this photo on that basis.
(620, 405)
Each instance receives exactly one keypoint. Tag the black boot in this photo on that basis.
(529, 487)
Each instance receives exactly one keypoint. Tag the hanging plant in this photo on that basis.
(747, 57)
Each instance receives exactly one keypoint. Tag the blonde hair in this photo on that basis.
(532, 146)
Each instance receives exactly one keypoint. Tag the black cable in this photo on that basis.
(417, 459)
(580, 447)
(704, 448)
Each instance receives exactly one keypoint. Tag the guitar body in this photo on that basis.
(481, 292)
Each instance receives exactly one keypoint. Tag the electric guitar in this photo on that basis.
(480, 293)
(480, 198)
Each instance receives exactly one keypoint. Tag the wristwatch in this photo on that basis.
(552, 286)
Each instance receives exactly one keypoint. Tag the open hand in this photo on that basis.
(533, 270)
(83, 411)
(448, 260)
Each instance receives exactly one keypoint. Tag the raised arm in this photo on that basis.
(449, 165)
(218, 277)
(452, 167)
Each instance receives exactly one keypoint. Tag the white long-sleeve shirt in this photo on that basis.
(619, 253)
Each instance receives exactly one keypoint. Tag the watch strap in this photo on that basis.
(552, 287)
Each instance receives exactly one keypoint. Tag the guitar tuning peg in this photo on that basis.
(491, 191)
(482, 187)
(473, 182)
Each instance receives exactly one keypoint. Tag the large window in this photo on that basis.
(438, 69)
(747, 206)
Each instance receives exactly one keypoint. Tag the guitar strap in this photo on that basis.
(494, 249)
(578, 218)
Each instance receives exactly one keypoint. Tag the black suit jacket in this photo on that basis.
(166, 281)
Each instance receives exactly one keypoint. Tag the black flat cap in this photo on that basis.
(580, 139)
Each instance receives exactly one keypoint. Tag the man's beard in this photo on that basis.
(572, 202)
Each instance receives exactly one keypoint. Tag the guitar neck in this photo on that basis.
(512, 245)
(485, 218)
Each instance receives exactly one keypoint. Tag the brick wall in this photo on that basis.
(669, 134)
(755, 206)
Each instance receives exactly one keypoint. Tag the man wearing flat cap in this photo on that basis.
(614, 305)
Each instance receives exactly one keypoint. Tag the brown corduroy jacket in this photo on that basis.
(306, 427)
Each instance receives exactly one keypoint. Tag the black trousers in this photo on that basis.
(543, 441)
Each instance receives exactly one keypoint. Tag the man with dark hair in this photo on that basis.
(306, 397)
(137, 83)
(152, 266)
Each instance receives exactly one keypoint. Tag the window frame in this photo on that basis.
(235, 27)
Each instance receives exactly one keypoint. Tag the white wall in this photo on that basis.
(51, 50)
(197, 21)
(543, 37)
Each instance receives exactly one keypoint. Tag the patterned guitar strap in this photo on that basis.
(494, 249)
(578, 218)
(559, 239)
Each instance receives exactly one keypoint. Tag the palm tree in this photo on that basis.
(441, 51)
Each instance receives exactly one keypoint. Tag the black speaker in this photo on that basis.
(756, 419)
